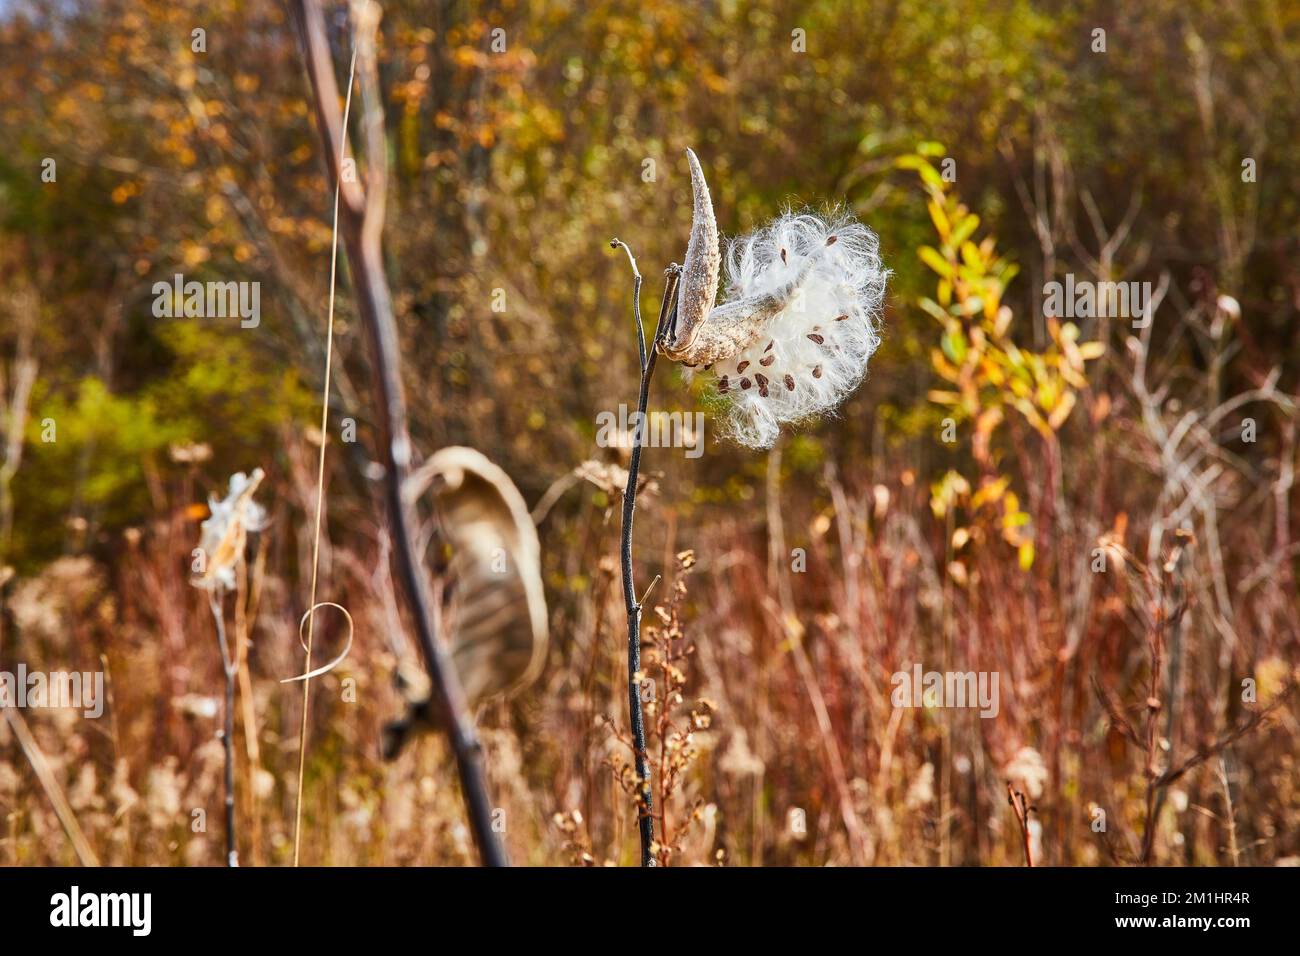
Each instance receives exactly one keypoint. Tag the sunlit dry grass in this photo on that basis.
(770, 783)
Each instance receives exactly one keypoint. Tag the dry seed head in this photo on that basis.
(803, 299)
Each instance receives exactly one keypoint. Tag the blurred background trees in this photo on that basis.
(513, 153)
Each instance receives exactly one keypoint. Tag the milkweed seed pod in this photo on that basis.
(223, 534)
(800, 321)
(497, 610)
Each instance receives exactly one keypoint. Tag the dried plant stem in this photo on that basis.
(1171, 603)
(1230, 815)
(229, 667)
(645, 807)
(320, 482)
(361, 222)
(50, 784)
(246, 601)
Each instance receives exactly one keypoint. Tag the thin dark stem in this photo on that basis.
(361, 217)
(228, 666)
(636, 299)
(636, 716)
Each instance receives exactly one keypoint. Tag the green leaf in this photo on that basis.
(932, 307)
(930, 256)
(964, 229)
(954, 346)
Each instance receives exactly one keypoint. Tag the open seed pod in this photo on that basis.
(800, 320)
(496, 612)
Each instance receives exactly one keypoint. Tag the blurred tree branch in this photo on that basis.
(361, 222)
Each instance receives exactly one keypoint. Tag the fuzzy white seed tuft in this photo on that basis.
(816, 349)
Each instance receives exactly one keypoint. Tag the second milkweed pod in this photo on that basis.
(497, 617)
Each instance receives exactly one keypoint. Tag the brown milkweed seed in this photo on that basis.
(742, 366)
(769, 346)
(817, 338)
(789, 383)
(830, 240)
(817, 372)
(840, 318)
(744, 383)
(723, 384)
(767, 360)
(761, 380)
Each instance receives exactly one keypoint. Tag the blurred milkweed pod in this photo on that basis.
(880, 496)
(223, 534)
(497, 614)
